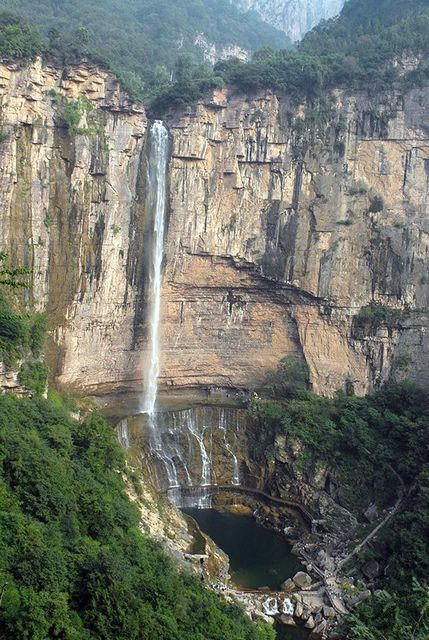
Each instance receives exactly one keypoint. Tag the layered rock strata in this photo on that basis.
(284, 221)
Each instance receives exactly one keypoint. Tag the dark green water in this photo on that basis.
(291, 633)
(258, 556)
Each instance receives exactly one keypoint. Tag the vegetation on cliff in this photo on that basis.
(360, 49)
(141, 39)
(151, 46)
(374, 448)
(17, 38)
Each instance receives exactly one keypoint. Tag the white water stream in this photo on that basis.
(168, 441)
(156, 181)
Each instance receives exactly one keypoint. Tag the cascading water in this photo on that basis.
(203, 500)
(156, 185)
(156, 200)
(223, 423)
(178, 440)
(123, 435)
(196, 449)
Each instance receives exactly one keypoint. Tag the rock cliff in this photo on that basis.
(294, 17)
(285, 224)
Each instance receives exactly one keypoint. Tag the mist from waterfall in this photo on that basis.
(156, 199)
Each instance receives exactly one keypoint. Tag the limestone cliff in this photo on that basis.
(294, 17)
(70, 206)
(283, 222)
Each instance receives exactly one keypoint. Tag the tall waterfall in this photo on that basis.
(182, 443)
(156, 180)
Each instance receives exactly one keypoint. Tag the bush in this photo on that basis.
(75, 112)
(373, 316)
(34, 376)
(290, 378)
(38, 333)
(376, 204)
(14, 334)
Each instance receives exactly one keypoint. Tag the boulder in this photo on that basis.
(310, 624)
(371, 569)
(288, 586)
(302, 580)
(354, 601)
(319, 630)
(329, 612)
(306, 614)
(258, 615)
(299, 610)
(287, 620)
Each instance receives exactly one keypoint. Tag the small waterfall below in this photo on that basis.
(223, 424)
(123, 434)
(196, 450)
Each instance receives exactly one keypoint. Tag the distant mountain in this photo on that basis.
(293, 17)
(142, 39)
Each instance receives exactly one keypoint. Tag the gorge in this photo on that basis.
(241, 290)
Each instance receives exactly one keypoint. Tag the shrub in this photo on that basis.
(373, 316)
(290, 377)
(34, 376)
(38, 333)
(376, 204)
(75, 111)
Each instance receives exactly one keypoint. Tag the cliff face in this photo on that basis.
(71, 212)
(294, 17)
(331, 207)
(283, 222)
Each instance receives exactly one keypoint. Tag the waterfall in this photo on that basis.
(172, 437)
(123, 435)
(193, 450)
(156, 181)
(223, 425)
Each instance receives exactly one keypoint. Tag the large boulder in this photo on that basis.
(287, 620)
(302, 580)
(319, 630)
(288, 586)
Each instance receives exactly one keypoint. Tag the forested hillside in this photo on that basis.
(360, 49)
(73, 562)
(376, 449)
(159, 61)
(141, 39)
